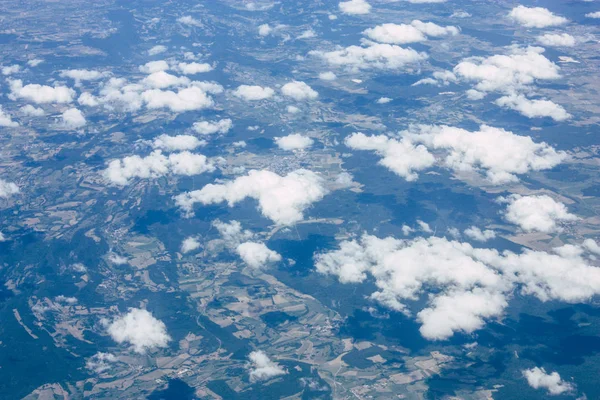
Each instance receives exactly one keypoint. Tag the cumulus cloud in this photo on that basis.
(257, 255)
(73, 119)
(158, 49)
(477, 234)
(155, 165)
(557, 39)
(32, 111)
(253, 93)
(299, 91)
(154, 66)
(538, 378)
(400, 156)
(471, 285)
(162, 80)
(187, 99)
(283, 199)
(383, 100)
(40, 93)
(140, 329)
(595, 14)
(6, 120)
(264, 30)
(177, 143)
(499, 153)
(534, 108)
(354, 7)
(535, 17)
(11, 69)
(537, 213)
(293, 142)
(380, 56)
(7, 189)
(80, 75)
(194, 68)
(100, 362)
(262, 367)
(327, 76)
(189, 20)
(417, 31)
(190, 244)
(208, 128)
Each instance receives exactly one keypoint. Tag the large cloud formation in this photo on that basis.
(282, 199)
(140, 329)
(470, 285)
(537, 213)
(155, 165)
(497, 153)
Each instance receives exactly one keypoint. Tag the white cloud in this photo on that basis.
(208, 128)
(535, 17)
(264, 30)
(190, 244)
(470, 285)
(40, 93)
(354, 7)
(189, 20)
(374, 56)
(35, 62)
(117, 259)
(595, 14)
(32, 111)
(177, 143)
(88, 99)
(477, 234)
(158, 49)
(497, 152)
(257, 255)
(11, 69)
(156, 165)
(100, 362)
(140, 329)
(557, 39)
(299, 91)
(154, 66)
(187, 99)
(73, 119)
(194, 68)
(162, 79)
(534, 108)
(327, 76)
(537, 213)
(307, 34)
(262, 367)
(253, 93)
(80, 75)
(383, 100)
(395, 34)
(435, 30)
(400, 156)
(7, 189)
(293, 142)
(538, 378)
(6, 120)
(283, 199)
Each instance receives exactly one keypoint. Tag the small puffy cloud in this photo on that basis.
(307, 34)
(327, 76)
(189, 20)
(264, 30)
(158, 49)
(595, 14)
(298, 90)
(7, 189)
(100, 362)
(190, 244)
(186, 99)
(154, 66)
(88, 100)
(116, 259)
(380, 56)
(80, 75)
(383, 100)
(477, 234)
(538, 378)
(35, 62)
(6, 120)
(533, 108)
(73, 119)
(400, 156)
(162, 79)
(262, 367)
(283, 199)
(537, 213)
(40, 93)
(32, 111)
(417, 31)
(557, 40)
(354, 7)
(208, 128)
(499, 153)
(253, 93)
(177, 143)
(194, 68)
(11, 69)
(435, 30)
(535, 17)
(155, 165)
(140, 329)
(294, 142)
(257, 255)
